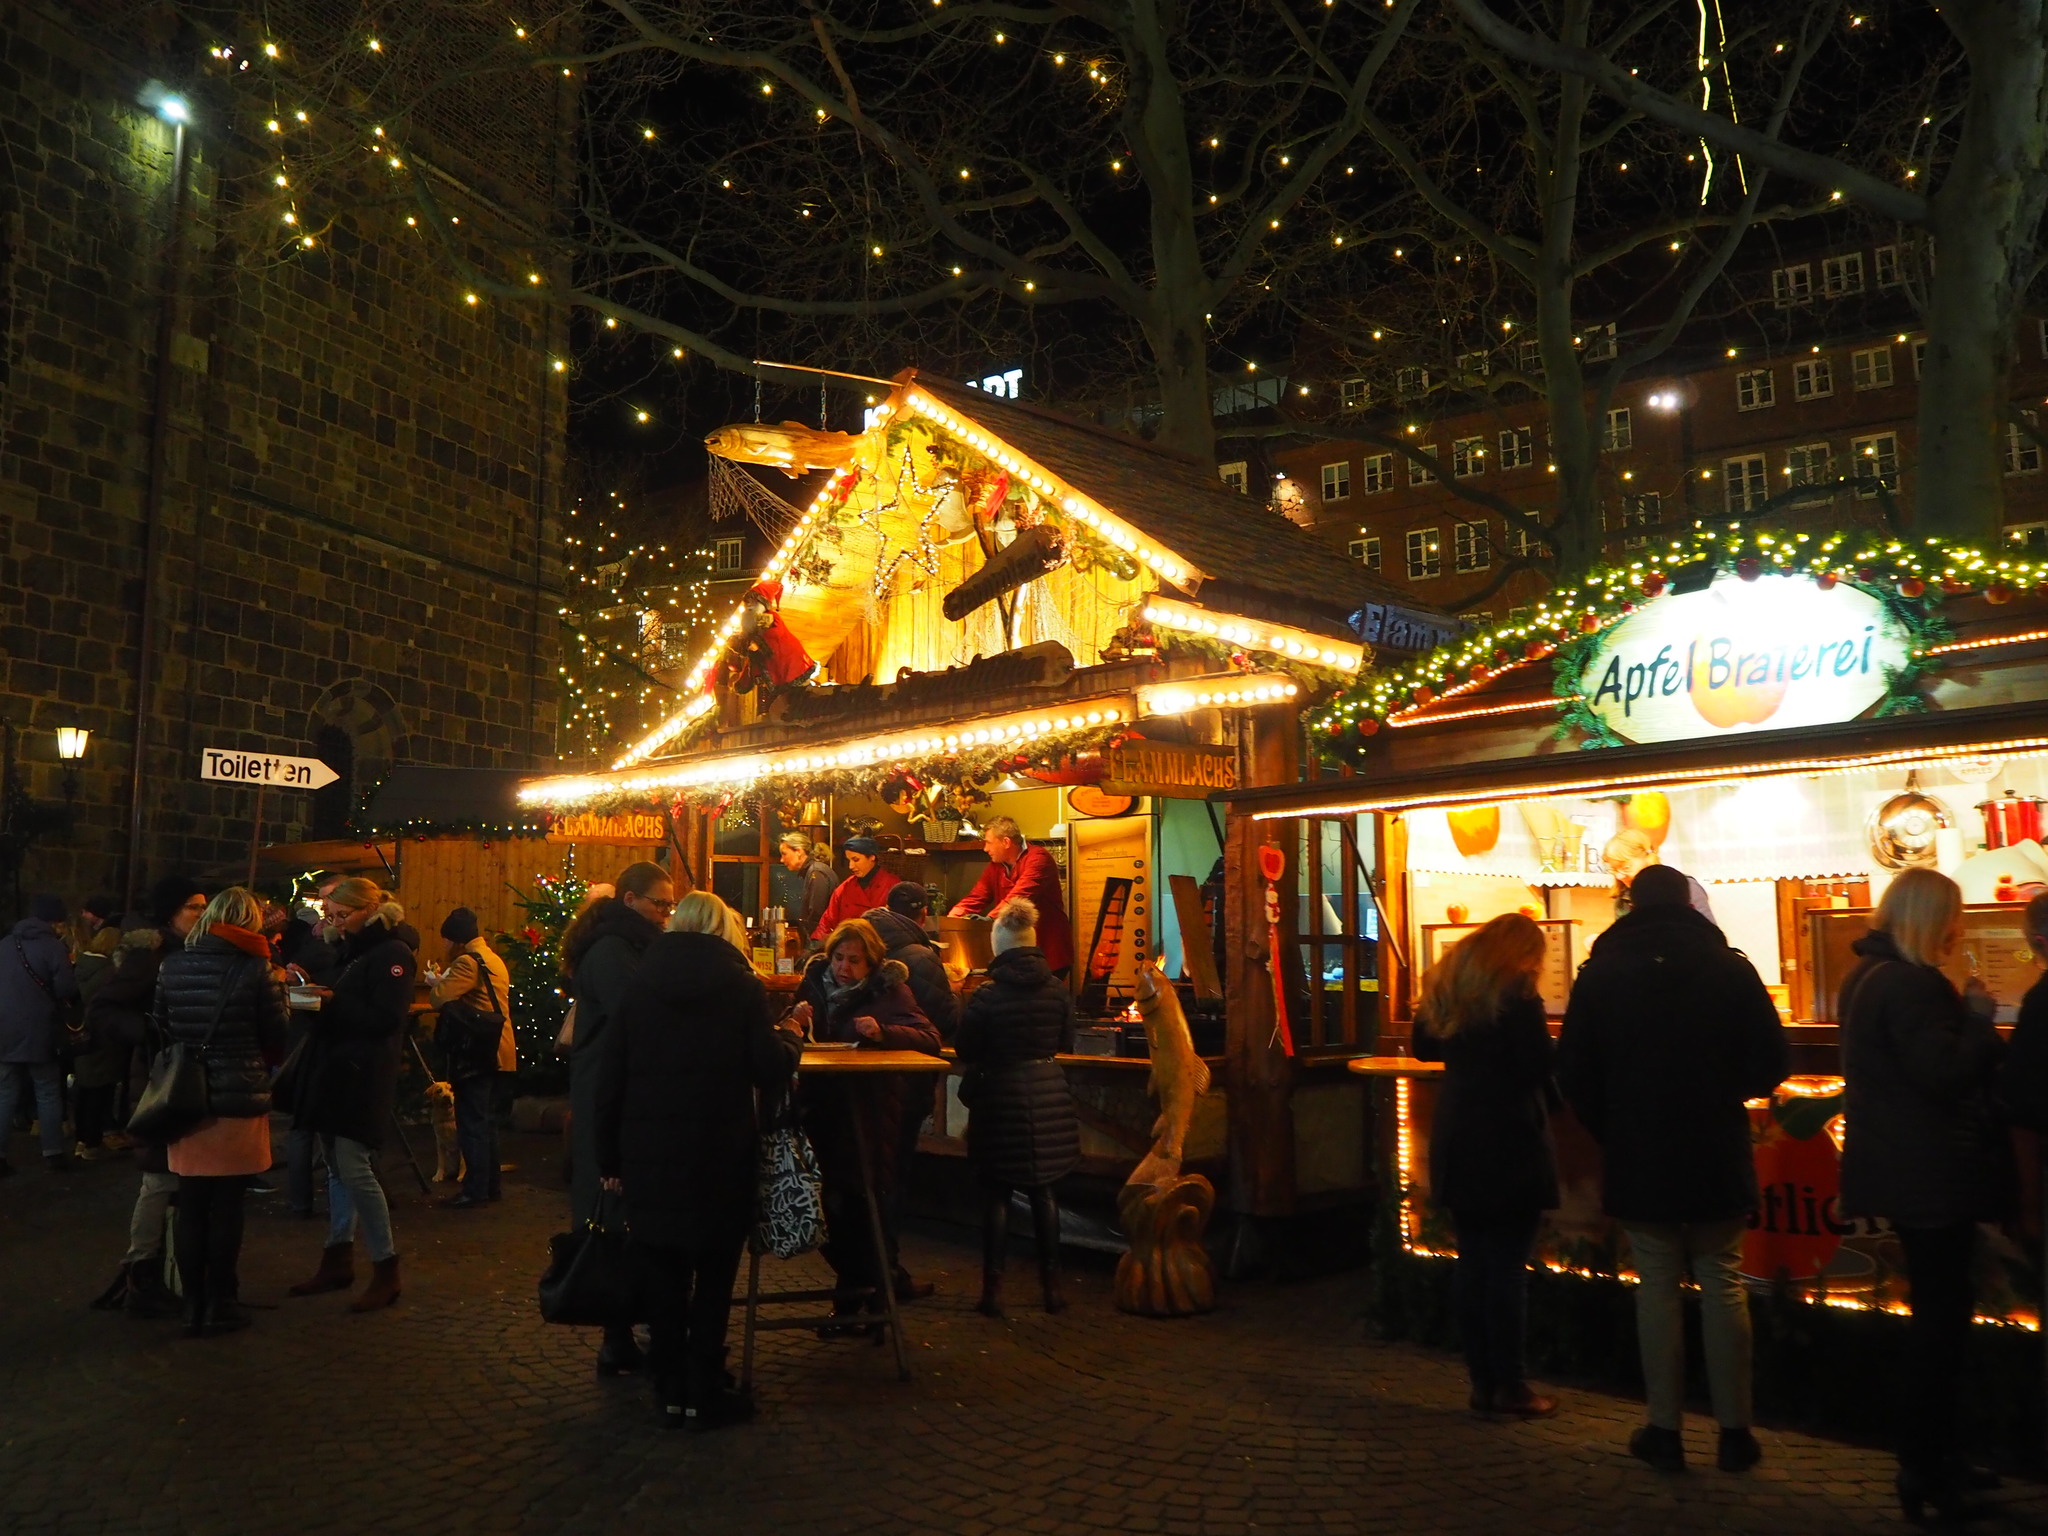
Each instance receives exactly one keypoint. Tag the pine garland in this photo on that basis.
(1910, 578)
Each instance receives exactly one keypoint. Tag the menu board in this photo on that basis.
(1994, 949)
(1554, 985)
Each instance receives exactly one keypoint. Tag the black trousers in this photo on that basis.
(210, 1237)
(689, 1299)
(92, 1112)
(1490, 1290)
(1937, 1339)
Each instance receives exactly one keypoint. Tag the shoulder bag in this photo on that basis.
(470, 1035)
(789, 1189)
(74, 1038)
(591, 1279)
(176, 1099)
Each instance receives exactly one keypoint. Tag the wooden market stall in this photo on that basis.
(986, 609)
(1791, 724)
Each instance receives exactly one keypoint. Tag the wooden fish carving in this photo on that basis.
(1179, 1076)
(1164, 1212)
(791, 447)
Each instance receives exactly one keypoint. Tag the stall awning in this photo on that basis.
(2001, 731)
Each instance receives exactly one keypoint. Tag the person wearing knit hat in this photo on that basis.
(866, 885)
(478, 979)
(36, 984)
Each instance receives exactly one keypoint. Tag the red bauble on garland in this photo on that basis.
(1588, 622)
(1536, 650)
(1912, 586)
(1749, 567)
(1424, 694)
(1480, 673)
(1998, 592)
(1826, 581)
(1954, 586)
(1368, 726)
(1653, 584)
(1867, 574)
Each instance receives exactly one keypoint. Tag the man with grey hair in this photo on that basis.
(1016, 868)
(805, 883)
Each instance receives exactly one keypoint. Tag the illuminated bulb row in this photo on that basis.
(1180, 698)
(739, 769)
(1409, 718)
(1112, 530)
(1280, 639)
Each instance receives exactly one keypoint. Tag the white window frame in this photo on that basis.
(2022, 453)
(1411, 382)
(1756, 389)
(1919, 346)
(720, 548)
(1813, 378)
(1418, 474)
(1599, 342)
(1619, 430)
(1841, 276)
(1474, 365)
(1468, 457)
(1366, 551)
(1871, 368)
(1637, 503)
(1353, 395)
(1471, 548)
(1337, 481)
(1529, 356)
(1875, 458)
(1517, 447)
(1523, 542)
(1236, 474)
(1886, 264)
(1379, 473)
(1792, 285)
(1746, 483)
(1425, 554)
(1811, 464)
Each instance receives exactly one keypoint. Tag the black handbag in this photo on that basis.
(592, 1278)
(290, 1082)
(469, 1035)
(176, 1099)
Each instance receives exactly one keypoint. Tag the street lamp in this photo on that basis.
(71, 742)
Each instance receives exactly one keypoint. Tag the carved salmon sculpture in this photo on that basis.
(791, 447)
(1164, 1213)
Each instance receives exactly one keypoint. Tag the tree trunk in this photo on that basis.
(1574, 449)
(1985, 222)
(1180, 354)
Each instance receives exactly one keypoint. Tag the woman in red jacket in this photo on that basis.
(866, 886)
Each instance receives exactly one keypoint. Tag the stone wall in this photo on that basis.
(360, 514)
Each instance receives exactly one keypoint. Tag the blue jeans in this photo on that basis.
(476, 1132)
(46, 1078)
(355, 1198)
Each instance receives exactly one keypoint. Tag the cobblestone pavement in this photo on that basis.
(459, 1411)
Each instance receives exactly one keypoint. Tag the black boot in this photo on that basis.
(114, 1295)
(148, 1297)
(711, 1403)
(1045, 1226)
(995, 1250)
(195, 1307)
(619, 1355)
(226, 1315)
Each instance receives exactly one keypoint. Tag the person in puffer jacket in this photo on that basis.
(222, 995)
(1022, 1132)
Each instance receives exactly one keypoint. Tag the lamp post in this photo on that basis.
(176, 111)
(71, 742)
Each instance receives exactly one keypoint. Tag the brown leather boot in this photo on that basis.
(337, 1271)
(382, 1289)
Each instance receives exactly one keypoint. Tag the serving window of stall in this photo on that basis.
(1337, 926)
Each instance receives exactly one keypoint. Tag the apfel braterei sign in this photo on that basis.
(1772, 654)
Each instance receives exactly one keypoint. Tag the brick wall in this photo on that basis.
(361, 510)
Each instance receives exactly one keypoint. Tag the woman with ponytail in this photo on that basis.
(349, 1085)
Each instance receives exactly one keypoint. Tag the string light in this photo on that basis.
(1257, 635)
(1230, 691)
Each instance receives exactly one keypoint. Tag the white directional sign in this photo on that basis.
(266, 769)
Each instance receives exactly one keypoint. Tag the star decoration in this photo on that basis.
(921, 550)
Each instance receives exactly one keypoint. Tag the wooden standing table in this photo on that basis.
(859, 1063)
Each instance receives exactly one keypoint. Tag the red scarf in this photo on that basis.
(247, 942)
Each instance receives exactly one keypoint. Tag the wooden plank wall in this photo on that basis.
(442, 873)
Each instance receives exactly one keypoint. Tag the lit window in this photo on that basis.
(1366, 552)
(1745, 482)
(2031, 537)
(1470, 549)
(1813, 379)
(1235, 475)
(1791, 285)
(1468, 457)
(1618, 433)
(1425, 554)
(727, 554)
(1379, 472)
(1337, 481)
(1420, 473)
(1755, 390)
(1517, 447)
(1841, 276)
(1876, 462)
(2022, 449)
(1871, 368)
(1354, 395)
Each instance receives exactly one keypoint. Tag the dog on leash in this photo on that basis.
(447, 1150)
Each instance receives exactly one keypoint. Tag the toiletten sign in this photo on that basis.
(1772, 654)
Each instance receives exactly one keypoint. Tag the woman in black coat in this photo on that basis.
(348, 1085)
(683, 1056)
(220, 995)
(1491, 1161)
(1021, 1132)
(1926, 1150)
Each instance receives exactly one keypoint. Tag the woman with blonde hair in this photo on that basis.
(1926, 1151)
(702, 912)
(348, 1089)
(221, 995)
(1491, 1161)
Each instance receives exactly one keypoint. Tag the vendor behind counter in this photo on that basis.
(1016, 868)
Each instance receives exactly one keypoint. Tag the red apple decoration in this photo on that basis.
(1998, 592)
(1912, 586)
(1424, 694)
(1480, 672)
(1749, 567)
(1826, 581)
(1954, 585)
(1653, 584)
(1588, 623)
(1536, 650)
(1368, 726)
(1867, 574)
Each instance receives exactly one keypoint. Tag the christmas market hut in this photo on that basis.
(1790, 719)
(985, 609)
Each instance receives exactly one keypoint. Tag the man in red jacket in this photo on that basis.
(1015, 868)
